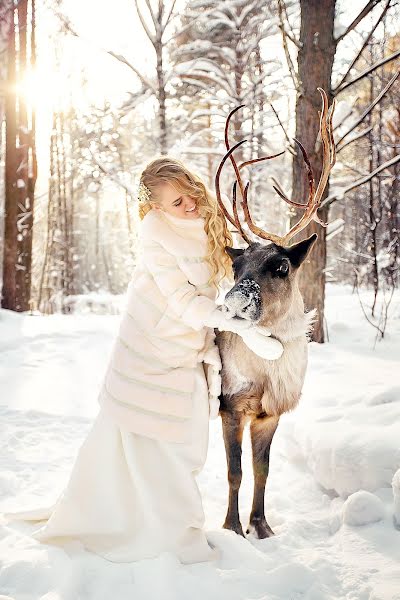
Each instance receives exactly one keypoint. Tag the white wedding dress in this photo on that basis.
(131, 497)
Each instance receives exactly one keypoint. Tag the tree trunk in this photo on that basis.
(162, 117)
(20, 167)
(372, 201)
(26, 157)
(315, 60)
(9, 293)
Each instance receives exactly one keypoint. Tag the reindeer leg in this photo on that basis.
(262, 431)
(232, 427)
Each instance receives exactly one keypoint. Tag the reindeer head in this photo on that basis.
(265, 280)
(266, 275)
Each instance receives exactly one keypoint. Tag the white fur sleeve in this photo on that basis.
(191, 306)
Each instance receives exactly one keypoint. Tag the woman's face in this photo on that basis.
(176, 204)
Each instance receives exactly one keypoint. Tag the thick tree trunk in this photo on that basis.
(9, 292)
(315, 60)
(32, 171)
(20, 176)
(6, 19)
(26, 155)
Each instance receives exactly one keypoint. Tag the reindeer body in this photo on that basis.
(274, 386)
(253, 389)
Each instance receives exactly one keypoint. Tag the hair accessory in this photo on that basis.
(143, 192)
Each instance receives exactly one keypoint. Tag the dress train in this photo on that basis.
(131, 497)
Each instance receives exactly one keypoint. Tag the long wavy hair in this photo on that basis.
(173, 171)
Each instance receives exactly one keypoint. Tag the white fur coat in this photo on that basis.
(150, 378)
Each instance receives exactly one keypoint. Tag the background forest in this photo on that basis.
(90, 93)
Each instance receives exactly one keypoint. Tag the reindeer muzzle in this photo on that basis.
(244, 300)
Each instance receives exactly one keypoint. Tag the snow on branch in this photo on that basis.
(150, 35)
(368, 109)
(292, 70)
(200, 79)
(194, 18)
(354, 138)
(365, 11)
(146, 82)
(367, 39)
(69, 27)
(366, 72)
(339, 195)
(169, 14)
(112, 173)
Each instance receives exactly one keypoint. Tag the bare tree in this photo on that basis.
(156, 25)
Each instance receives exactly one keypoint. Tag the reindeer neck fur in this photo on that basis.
(295, 323)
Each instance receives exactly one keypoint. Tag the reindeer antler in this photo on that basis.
(235, 219)
(315, 194)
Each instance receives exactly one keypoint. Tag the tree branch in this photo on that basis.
(206, 13)
(291, 37)
(199, 79)
(366, 72)
(340, 193)
(345, 117)
(355, 59)
(289, 61)
(153, 17)
(365, 11)
(144, 24)
(111, 172)
(146, 82)
(370, 107)
(68, 26)
(283, 129)
(353, 139)
(169, 14)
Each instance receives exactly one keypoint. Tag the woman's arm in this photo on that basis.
(191, 306)
(196, 309)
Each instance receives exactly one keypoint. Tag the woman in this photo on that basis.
(132, 493)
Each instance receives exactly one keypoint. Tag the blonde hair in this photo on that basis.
(172, 170)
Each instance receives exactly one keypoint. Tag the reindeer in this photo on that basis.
(266, 292)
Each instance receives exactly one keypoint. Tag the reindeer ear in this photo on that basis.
(299, 252)
(234, 252)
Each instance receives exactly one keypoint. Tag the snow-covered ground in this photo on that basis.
(329, 496)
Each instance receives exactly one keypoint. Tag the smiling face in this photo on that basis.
(175, 203)
(265, 280)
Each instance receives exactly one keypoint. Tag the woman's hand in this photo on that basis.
(259, 341)
(221, 321)
(255, 337)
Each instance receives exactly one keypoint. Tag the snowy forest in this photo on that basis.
(90, 92)
(81, 117)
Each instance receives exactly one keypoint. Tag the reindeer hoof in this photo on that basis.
(236, 527)
(260, 529)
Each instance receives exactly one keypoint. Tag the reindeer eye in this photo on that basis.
(237, 264)
(283, 268)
